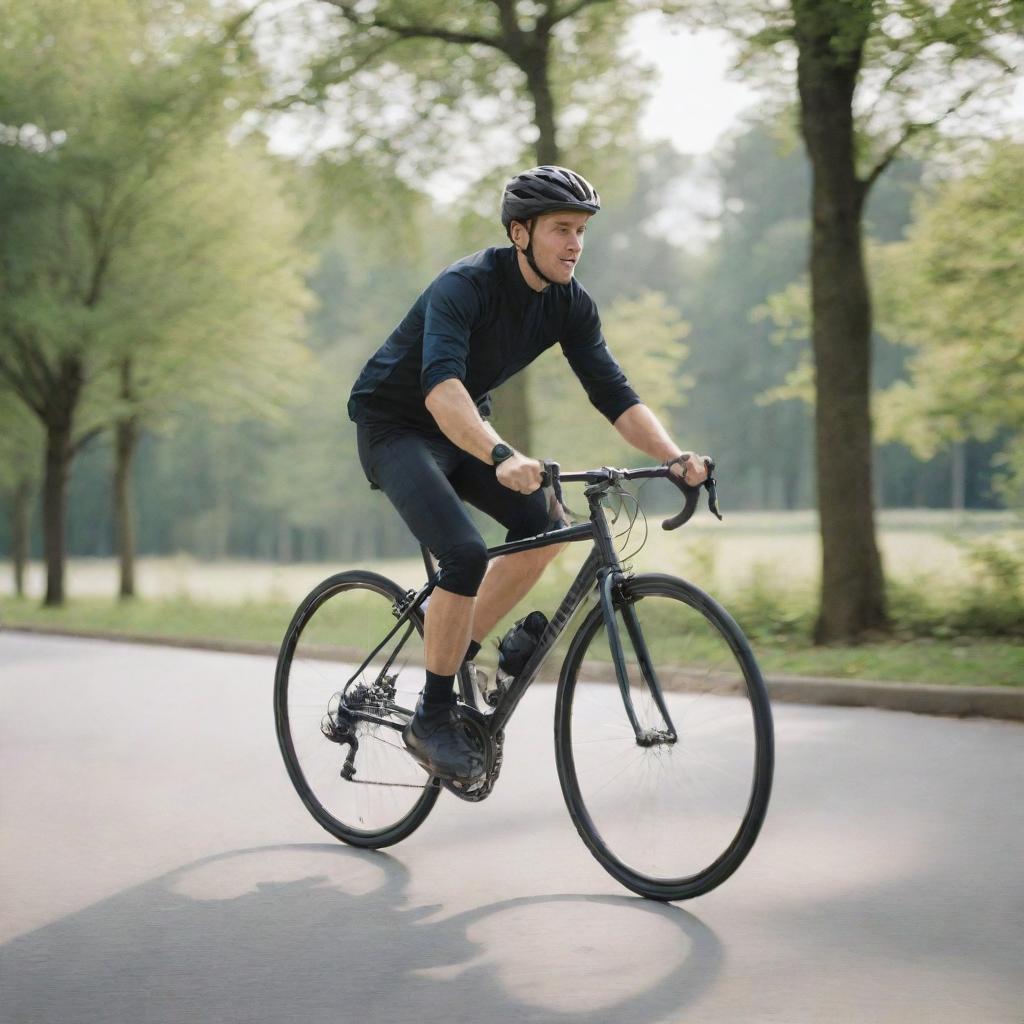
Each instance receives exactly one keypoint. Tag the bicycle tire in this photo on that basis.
(729, 701)
(328, 639)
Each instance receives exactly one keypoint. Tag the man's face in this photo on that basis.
(557, 242)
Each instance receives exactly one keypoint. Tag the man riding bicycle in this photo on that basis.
(424, 442)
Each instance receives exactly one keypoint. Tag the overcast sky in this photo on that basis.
(694, 100)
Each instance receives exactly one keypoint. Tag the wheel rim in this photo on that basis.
(670, 815)
(322, 653)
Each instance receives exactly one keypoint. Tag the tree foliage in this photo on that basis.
(951, 292)
(131, 266)
(20, 442)
(491, 79)
(871, 77)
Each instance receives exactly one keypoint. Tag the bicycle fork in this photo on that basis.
(611, 582)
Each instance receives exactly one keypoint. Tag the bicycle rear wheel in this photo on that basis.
(319, 698)
(670, 820)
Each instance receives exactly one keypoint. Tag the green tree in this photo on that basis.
(209, 299)
(362, 291)
(888, 59)
(952, 292)
(219, 477)
(102, 231)
(762, 225)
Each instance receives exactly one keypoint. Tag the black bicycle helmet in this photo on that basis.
(543, 189)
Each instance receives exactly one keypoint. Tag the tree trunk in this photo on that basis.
(512, 413)
(21, 517)
(57, 469)
(284, 541)
(126, 439)
(535, 67)
(790, 474)
(958, 476)
(853, 592)
(920, 499)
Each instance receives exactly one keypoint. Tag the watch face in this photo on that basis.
(501, 452)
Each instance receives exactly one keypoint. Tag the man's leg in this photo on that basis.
(446, 631)
(409, 468)
(509, 579)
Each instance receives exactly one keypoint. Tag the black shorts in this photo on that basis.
(427, 479)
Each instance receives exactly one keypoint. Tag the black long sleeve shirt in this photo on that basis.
(480, 322)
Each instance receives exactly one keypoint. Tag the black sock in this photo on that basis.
(472, 651)
(438, 690)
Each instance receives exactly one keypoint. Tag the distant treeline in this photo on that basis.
(686, 321)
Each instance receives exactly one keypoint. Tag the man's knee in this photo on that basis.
(463, 567)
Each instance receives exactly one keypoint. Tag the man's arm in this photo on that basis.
(643, 430)
(460, 421)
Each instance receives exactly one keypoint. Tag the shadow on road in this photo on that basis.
(327, 933)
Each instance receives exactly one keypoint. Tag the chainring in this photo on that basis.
(493, 745)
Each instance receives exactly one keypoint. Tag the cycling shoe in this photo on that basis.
(443, 744)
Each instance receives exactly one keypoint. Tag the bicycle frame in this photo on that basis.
(601, 571)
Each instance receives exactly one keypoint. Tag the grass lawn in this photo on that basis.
(959, 619)
(960, 661)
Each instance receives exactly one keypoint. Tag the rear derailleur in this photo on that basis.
(339, 724)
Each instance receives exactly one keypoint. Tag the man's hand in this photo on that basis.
(520, 474)
(690, 468)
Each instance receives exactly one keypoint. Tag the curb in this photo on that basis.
(920, 698)
(191, 643)
(1000, 702)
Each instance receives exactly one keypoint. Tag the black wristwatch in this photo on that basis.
(500, 452)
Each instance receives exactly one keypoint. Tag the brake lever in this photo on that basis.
(711, 486)
(692, 493)
(551, 485)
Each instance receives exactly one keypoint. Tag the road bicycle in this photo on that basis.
(663, 728)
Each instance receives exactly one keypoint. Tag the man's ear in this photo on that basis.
(520, 235)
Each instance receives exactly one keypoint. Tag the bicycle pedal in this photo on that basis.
(466, 787)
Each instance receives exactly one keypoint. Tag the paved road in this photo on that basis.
(156, 866)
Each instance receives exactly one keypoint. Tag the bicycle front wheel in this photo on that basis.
(329, 712)
(673, 818)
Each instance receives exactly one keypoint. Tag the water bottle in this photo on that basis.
(518, 644)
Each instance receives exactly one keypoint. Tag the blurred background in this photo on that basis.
(808, 263)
